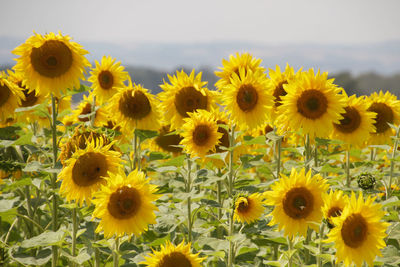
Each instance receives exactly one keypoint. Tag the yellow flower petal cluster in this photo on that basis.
(334, 203)
(10, 98)
(249, 209)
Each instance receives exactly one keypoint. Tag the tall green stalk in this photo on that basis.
(278, 152)
(231, 256)
(307, 152)
(395, 146)
(290, 248)
(189, 199)
(320, 247)
(54, 175)
(74, 231)
(348, 180)
(116, 253)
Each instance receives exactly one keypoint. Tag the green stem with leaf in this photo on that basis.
(231, 256)
(392, 163)
(189, 199)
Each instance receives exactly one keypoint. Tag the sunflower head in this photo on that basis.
(200, 133)
(86, 170)
(248, 99)
(231, 66)
(183, 95)
(124, 204)
(171, 256)
(359, 232)
(50, 63)
(357, 123)
(167, 141)
(10, 98)
(387, 109)
(248, 208)
(313, 103)
(298, 200)
(334, 203)
(135, 108)
(106, 78)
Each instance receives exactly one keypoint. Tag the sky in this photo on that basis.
(132, 22)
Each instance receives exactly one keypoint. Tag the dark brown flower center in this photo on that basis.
(105, 79)
(312, 104)
(244, 205)
(201, 135)
(384, 115)
(247, 97)
(351, 121)
(89, 169)
(279, 92)
(52, 59)
(124, 203)
(167, 141)
(87, 109)
(175, 259)
(354, 230)
(30, 97)
(334, 212)
(224, 140)
(5, 94)
(298, 203)
(134, 105)
(188, 99)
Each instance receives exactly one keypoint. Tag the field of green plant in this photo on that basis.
(276, 167)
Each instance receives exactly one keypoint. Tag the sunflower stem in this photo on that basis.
(93, 116)
(278, 152)
(116, 253)
(28, 203)
(96, 252)
(74, 230)
(134, 149)
(316, 155)
(54, 175)
(290, 248)
(392, 163)
(219, 199)
(231, 255)
(189, 200)
(306, 242)
(320, 247)
(307, 152)
(348, 180)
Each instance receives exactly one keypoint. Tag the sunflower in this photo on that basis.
(125, 205)
(183, 95)
(357, 122)
(135, 108)
(313, 103)
(31, 98)
(248, 209)
(334, 204)
(278, 79)
(10, 98)
(171, 256)
(248, 98)
(87, 169)
(244, 60)
(166, 141)
(297, 202)
(387, 109)
(106, 78)
(359, 232)
(84, 109)
(200, 133)
(51, 63)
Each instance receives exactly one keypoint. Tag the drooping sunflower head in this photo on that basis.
(183, 95)
(233, 65)
(124, 204)
(249, 208)
(106, 78)
(200, 133)
(278, 80)
(357, 123)
(313, 103)
(173, 256)
(166, 141)
(248, 99)
(135, 108)
(50, 63)
(359, 232)
(297, 202)
(87, 169)
(83, 113)
(334, 204)
(387, 109)
(80, 140)
(10, 98)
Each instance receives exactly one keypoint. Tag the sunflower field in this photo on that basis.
(275, 167)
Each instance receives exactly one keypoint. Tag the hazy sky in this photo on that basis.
(269, 22)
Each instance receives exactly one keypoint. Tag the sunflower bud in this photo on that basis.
(366, 181)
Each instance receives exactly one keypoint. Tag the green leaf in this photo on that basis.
(42, 258)
(157, 156)
(259, 140)
(177, 161)
(47, 238)
(6, 204)
(210, 202)
(145, 134)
